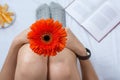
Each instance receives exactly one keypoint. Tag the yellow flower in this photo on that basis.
(5, 15)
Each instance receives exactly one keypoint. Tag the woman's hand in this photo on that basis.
(22, 37)
(74, 44)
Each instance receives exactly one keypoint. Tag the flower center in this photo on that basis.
(46, 38)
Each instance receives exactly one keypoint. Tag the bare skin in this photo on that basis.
(30, 66)
(34, 67)
(64, 66)
(9, 66)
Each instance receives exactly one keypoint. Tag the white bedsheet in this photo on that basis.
(105, 55)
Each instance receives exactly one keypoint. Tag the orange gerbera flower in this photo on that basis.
(47, 37)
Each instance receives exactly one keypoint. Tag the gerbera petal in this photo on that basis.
(53, 44)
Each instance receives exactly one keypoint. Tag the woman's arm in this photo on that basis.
(8, 69)
(88, 72)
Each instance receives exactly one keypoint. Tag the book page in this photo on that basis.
(97, 17)
(82, 9)
(103, 20)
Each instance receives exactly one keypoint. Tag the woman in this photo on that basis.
(23, 64)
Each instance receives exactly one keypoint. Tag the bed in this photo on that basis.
(105, 54)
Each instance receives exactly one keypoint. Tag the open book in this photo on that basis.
(98, 17)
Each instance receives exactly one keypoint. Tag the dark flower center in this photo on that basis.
(46, 37)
